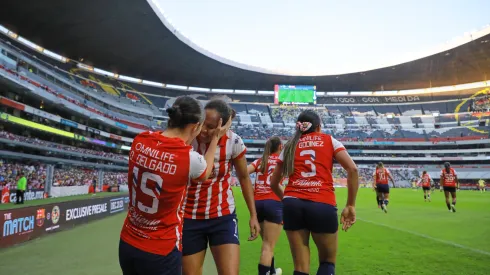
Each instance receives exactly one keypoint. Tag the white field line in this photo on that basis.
(428, 237)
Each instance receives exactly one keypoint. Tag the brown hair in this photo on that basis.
(306, 117)
(271, 146)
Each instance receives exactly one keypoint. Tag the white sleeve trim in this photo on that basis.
(197, 165)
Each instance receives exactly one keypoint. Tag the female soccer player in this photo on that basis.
(210, 207)
(309, 198)
(425, 181)
(267, 204)
(160, 166)
(381, 176)
(449, 182)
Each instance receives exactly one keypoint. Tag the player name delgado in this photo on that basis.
(154, 159)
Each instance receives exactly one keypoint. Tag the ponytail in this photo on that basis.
(265, 156)
(290, 148)
(288, 154)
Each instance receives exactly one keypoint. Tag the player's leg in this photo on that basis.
(300, 249)
(448, 204)
(194, 246)
(271, 233)
(322, 220)
(127, 259)
(152, 264)
(453, 203)
(298, 234)
(386, 200)
(428, 194)
(227, 258)
(271, 230)
(225, 245)
(425, 193)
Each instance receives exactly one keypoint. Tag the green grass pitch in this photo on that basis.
(415, 237)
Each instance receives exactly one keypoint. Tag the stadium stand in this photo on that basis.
(104, 114)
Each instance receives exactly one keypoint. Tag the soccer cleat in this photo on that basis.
(278, 271)
(453, 208)
(385, 209)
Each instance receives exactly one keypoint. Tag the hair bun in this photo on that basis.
(174, 112)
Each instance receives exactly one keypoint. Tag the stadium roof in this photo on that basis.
(128, 37)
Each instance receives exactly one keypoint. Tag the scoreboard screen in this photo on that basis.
(294, 94)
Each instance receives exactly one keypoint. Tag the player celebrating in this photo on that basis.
(481, 184)
(210, 207)
(267, 204)
(381, 176)
(449, 182)
(309, 198)
(160, 166)
(425, 181)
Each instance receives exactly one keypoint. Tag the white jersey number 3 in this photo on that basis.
(144, 178)
(312, 154)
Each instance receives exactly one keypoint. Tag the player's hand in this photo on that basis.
(222, 129)
(348, 217)
(254, 228)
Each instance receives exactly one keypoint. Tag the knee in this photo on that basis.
(267, 249)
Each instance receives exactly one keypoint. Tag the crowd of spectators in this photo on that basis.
(36, 141)
(35, 174)
(116, 178)
(69, 99)
(481, 104)
(71, 176)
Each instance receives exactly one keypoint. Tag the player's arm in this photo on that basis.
(374, 180)
(441, 181)
(457, 181)
(209, 156)
(392, 179)
(240, 164)
(352, 176)
(276, 180)
(252, 167)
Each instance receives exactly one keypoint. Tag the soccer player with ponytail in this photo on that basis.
(381, 177)
(161, 165)
(267, 204)
(310, 206)
(449, 183)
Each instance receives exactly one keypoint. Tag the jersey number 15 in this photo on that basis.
(142, 186)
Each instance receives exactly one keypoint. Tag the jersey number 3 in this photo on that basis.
(309, 162)
(142, 186)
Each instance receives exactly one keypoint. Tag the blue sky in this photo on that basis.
(317, 37)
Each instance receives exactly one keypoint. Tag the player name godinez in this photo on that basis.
(80, 212)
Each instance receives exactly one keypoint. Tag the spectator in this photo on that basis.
(21, 188)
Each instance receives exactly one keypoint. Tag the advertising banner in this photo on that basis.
(29, 195)
(63, 191)
(23, 224)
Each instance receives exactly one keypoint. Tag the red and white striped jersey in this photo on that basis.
(381, 175)
(262, 190)
(449, 178)
(160, 168)
(313, 163)
(213, 198)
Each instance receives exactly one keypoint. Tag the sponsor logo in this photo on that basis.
(29, 195)
(85, 211)
(19, 226)
(40, 216)
(126, 200)
(55, 214)
(117, 205)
